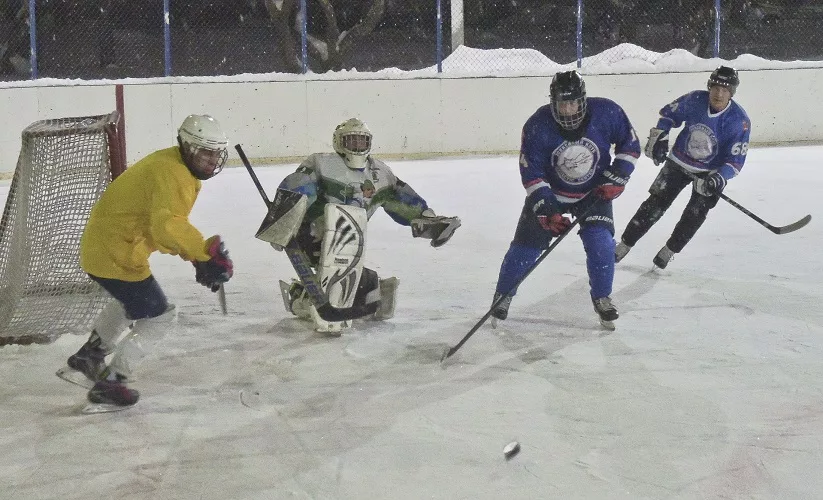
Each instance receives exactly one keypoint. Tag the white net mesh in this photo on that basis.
(63, 168)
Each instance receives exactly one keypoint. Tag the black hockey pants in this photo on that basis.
(666, 187)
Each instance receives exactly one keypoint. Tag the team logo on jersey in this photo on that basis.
(576, 162)
(702, 143)
(367, 188)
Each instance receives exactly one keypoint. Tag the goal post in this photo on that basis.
(64, 166)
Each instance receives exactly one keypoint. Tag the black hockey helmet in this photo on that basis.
(568, 86)
(725, 77)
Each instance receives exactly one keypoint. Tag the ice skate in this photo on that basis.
(620, 251)
(112, 390)
(663, 257)
(607, 312)
(501, 311)
(89, 360)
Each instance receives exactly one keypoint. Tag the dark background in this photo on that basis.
(92, 39)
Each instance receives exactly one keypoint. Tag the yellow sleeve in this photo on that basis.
(172, 198)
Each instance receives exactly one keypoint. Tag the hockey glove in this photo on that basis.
(556, 224)
(546, 209)
(218, 269)
(711, 185)
(611, 185)
(657, 147)
(439, 229)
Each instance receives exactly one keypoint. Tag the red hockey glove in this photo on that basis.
(555, 224)
(611, 186)
(218, 269)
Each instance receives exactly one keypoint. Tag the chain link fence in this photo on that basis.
(112, 39)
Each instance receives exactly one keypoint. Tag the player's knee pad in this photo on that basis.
(147, 332)
(598, 242)
(110, 324)
(698, 208)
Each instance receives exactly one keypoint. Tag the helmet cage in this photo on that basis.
(565, 87)
(198, 135)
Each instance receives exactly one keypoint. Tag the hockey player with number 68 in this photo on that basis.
(708, 152)
(335, 195)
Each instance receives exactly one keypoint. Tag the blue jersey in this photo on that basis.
(709, 141)
(570, 169)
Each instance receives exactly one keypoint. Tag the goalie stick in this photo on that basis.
(788, 228)
(301, 263)
(449, 352)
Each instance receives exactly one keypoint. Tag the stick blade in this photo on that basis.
(794, 226)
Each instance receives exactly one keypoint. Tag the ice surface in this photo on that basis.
(711, 387)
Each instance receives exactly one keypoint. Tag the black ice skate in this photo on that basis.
(113, 392)
(620, 251)
(89, 360)
(501, 311)
(663, 257)
(607, 312)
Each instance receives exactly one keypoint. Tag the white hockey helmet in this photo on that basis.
(203, 145)
(352, 141)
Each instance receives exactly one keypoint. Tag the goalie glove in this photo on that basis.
(437, 228)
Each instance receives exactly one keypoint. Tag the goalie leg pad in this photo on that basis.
(342, 252)
(341, 261)
(388, 295)
(439, 229)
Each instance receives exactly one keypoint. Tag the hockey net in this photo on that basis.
(64, 166)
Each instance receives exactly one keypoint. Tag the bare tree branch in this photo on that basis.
(325, 56)
(280, 12)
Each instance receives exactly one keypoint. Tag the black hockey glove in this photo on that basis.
(657, 147)
(218, 269)
(711, 185)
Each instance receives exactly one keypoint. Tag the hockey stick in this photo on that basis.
(221, 296)
(449, 352)
(301, 263)
(788, 228)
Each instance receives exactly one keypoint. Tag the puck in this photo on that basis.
(511, 449)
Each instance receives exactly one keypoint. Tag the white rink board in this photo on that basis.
(430, 116)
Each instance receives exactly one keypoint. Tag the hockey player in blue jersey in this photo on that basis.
(566, 168)
(708, 152)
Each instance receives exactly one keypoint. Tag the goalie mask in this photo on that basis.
(352, 141)
(203, 146)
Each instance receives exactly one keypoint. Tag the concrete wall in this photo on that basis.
(291, 119)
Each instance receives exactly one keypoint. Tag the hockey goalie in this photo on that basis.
(320, 215)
